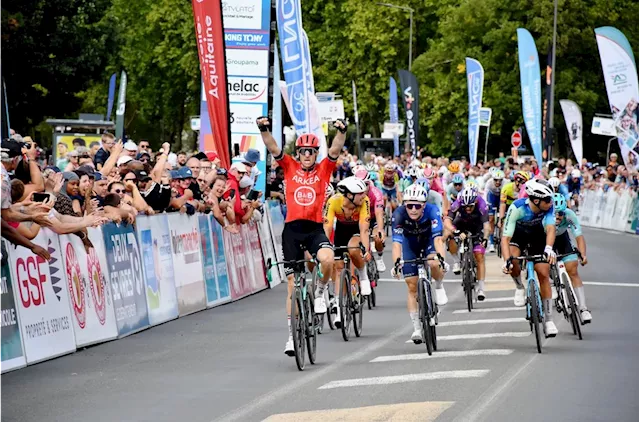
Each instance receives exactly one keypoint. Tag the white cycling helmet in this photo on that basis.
(415, 193)
(357, 168)
(575, 173)
(538, 190)
(352, 185)
(467, 196)
(371, 167)
(412, 172)
(554, 182)
(390, 166)
(498, 174)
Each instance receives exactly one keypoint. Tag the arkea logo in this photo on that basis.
(619, 79)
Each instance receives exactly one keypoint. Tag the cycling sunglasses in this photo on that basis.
(519, 180)
(560, 213)
(457, 184)
(546, 200)
(307, 151)
(414, 206)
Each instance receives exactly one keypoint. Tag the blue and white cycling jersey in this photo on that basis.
(520, 216)
(564, 191)
(416, 236)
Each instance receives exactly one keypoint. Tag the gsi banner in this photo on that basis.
(185, 241)
(222, 275)
(127, 280)
(155, 246)
(42, 300)
(12, 351)
(90, 298)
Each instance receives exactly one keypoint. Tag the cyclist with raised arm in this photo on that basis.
(305, 186)
(469, 214)
(350, 210)
(510, 191)
(376, 206)
(530, 228)
(417, 228)
(567, 220)
(493, 188)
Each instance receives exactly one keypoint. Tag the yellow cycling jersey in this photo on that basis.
(508, 193)
(335, 211)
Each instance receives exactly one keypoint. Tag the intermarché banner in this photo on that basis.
(411, 97)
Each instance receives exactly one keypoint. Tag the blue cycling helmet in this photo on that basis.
(424, 182)
(559, 202)
(457, 179)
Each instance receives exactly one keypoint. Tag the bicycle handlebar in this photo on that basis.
(271, 264)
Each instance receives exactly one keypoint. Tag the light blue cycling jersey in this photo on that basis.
(564, 191)
(569, 222)
(521, 216)
(452, 192)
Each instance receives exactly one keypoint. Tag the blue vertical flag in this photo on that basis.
(531, 90)
(112, 95)
(475, 83)
(393, 113)
(292, 55)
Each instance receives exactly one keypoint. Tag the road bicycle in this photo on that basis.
(497, 235)
(350, 299)
(305, 322)
(427, 308)
(468, 265)
(534, 310)
(566, 301)
(374, 276)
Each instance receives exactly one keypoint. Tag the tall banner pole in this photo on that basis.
(475, 82)
(355, 116)
(531, 91)
(122, 102)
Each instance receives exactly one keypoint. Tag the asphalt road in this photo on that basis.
(227, 363)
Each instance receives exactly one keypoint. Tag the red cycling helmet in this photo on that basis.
(308, 140)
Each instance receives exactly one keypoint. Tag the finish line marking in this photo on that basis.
(494, 280)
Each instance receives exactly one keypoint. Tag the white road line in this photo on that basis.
(479, 321)
(397, 379)
(602, 283)
(484, 310)
(452, 354)
(498, 299)
(479, 336)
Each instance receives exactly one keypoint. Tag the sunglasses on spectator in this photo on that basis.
(307, 151)
(130, 179)
(414, 206)
(118, 191)
(221, 172)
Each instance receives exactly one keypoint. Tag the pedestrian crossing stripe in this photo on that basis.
(399, 379)
(401, 412)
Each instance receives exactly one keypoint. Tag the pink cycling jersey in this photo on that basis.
(376, 200)
(436, 185)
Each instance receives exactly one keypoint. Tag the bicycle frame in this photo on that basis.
(531, 278)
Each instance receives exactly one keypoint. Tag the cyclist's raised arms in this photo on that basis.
(264, 124)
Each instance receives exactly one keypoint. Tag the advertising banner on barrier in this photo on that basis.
(245, 279)
(157, 262)
(268, 251)
(222, 275)
(277, 226)
(92, 311)
(127, 280)
(12, 351)
(208, 260)
(256, 263)
(42, 300)
(187, 262)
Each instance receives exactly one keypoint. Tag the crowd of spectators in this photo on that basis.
(116, 181)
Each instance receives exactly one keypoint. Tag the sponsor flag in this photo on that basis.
(308, 69)
(205, 136)
(112, 95)
(5, 113)
(122, 102)
(531, 91)
(393, 113)
(289, 16)
(573, 120)
(621, 80)
(546, 116)
(411, 96)
(277, 99)
(475, 83)
(207, 15)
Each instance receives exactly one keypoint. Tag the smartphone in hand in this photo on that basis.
(40, 197)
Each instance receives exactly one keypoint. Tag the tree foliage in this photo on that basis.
(59, 55)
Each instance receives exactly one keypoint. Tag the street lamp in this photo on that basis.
(410, 10)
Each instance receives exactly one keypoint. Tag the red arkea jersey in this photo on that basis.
(305, 190)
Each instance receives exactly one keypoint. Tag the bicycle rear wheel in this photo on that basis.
(496, 241)
(344, 301)
(535, 312)
(313, 322)
(327, 298)
(423, 313)
(357, 305)
(298, 326)
(573, 307)
(432, 311)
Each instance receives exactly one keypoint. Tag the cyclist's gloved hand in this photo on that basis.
(462, 236)
(583, 260)
(395, 271)
(485, 242)
(445, 267)
(506, 267)
(550, 254)
(264, 123)
(341, 125)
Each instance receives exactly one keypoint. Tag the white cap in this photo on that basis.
(239, 167)
(130, 146)
(123, 160)
(245, 182)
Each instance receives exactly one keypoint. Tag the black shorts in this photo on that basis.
(344, 233)
(563, 244)
(529, 243)
(299, 236)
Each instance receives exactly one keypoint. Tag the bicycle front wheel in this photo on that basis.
(424, 315)
(344, 302)
(357, 303)
(573, 307)
(467, 280)
(298, 326)
(313, 321)
(535, 312)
